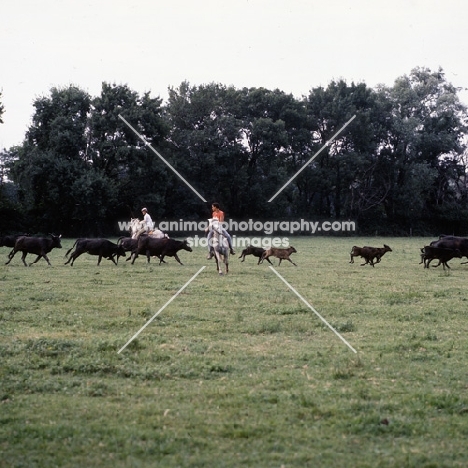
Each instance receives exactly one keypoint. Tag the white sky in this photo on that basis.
(150, 45)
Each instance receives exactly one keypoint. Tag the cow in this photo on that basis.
(369, 254)
(282, 254)
(452, 242)
(429, 253)
(379, 252)
(129, 244)
(100, 247)
(256, 252)
(10, 241)
(39, 246)
(160, 248)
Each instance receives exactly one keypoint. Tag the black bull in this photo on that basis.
(39, 246)
(429, 253)
(454, 243)
(100, 247)
(10, 241)
(160, 248)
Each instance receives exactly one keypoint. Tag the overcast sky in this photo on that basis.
(150, 45)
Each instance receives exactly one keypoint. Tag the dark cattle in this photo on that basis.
(358, 252)
(429, 253)
(256, 252)
(81, 239)
(379, 252)
(282, 254)
(39, 246)
(160, 248)
(129, 244)
(452, 242)
(100, 247)
(10, 241)
(369, 254)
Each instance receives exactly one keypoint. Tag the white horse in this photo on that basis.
(220, 247)
(137, 225)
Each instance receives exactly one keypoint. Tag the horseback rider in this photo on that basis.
(147, 219)
(147, 223)
(217, 214)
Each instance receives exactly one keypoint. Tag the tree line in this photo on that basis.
(400, 166)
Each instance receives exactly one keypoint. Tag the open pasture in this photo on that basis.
(236, 371)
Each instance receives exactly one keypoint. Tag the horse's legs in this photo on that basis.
(218, 261)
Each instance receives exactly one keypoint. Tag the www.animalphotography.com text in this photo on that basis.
(251, 226)
(260, 227)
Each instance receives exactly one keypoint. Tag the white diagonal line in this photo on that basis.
(161, 309)
(160, 157)
(314, 311)
(312, 158)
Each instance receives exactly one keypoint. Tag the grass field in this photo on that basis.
(236, 371)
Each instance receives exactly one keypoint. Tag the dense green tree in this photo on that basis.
(11, 219)
(119, 155)
(235, 143)
(325, 189)
(52, 158)
(401, 164)
(205, 147)
(273, 135)
(81, 168)
(426, 131)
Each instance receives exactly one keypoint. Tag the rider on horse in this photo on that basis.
(218, 215)
(147, 223)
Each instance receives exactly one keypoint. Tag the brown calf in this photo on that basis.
(256, 252)
(369, 254)
(282, 254)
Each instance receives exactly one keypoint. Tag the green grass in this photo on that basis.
(236, 371)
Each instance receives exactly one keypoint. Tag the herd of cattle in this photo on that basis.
(102, 248)
(444, 249)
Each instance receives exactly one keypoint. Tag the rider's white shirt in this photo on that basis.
(149, 222)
